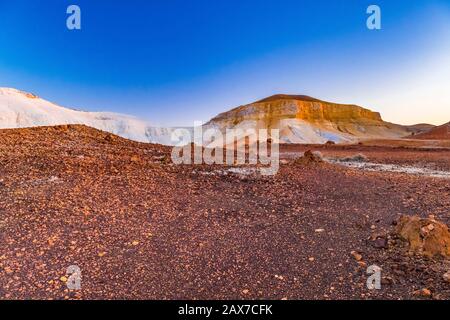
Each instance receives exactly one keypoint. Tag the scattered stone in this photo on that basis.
(425, 293)
(380, 243)
(446, 277)
(135, 159)
(425, 231)
(387, 281)
(356, 255)
(362, 264)
(163, 159)
(425, 236)
(310, 157)
(8, 270)
(110, 138)
(53, 179)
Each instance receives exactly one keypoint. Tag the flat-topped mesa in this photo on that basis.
(280, 107)
(303, 119)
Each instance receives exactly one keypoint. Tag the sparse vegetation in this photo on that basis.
(359, 157)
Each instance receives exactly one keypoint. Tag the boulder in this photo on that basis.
(310, 157)
(426, 237)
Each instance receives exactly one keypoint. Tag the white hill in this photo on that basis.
(20, 109)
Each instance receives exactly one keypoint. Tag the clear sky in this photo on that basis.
(173, 62)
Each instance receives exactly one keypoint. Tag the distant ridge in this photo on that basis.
(437, 133)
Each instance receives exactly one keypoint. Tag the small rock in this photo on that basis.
(53, 179)
(425, 293)
(356, 255)
(63, 279)
(387, 281)
(110, 138)
(134, 159)
(311, 259)
(446, 277)
(245, 291)
(380, 243)
(8, 270)
(427, 229)
(310, 157)
(362, 264)
(319, 230)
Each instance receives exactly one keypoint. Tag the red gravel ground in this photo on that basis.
(142, 228)
(389, 152)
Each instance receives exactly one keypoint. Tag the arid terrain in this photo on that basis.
(140, 227)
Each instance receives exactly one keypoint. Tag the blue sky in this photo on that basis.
(173, 62)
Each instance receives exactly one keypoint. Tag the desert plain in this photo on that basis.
(140, 227)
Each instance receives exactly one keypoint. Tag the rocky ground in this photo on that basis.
(139, 227)
(387, 152)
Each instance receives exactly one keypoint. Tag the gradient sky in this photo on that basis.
(173, 62)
